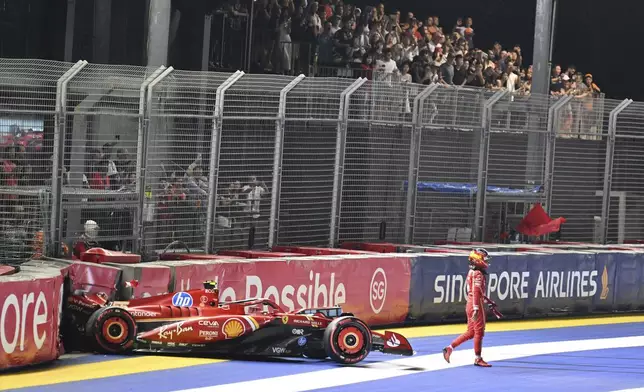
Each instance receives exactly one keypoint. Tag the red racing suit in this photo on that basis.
(475, 301)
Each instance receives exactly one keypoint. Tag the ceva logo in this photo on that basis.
(605, 289)
(378, 290)
(182, 299)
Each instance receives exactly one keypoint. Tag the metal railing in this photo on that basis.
(234, 160)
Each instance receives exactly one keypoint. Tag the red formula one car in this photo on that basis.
(195, 321)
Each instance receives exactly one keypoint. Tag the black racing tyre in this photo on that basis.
(113, 329)
(347, 340)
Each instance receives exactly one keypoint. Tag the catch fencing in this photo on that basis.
(138, 159)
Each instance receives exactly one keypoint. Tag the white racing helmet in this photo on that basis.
(91, 229)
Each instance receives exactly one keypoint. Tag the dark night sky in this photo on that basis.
(596, 36)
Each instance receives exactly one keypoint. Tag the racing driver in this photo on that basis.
(479, 262)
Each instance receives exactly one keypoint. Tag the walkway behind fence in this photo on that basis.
(221, 160)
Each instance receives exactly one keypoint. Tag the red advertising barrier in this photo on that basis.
(311, 251)
(384, 247)
(30, 306)
(258, 254)
(100, 256)
(7, 270)
(376, 288)
(143, 280)
(471, 244)
(446, 250)
(169, 256)
(90, 277)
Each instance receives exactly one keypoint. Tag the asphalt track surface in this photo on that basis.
(588, 354)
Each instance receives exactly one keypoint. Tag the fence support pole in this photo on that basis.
(340, 144)
(215, 146)
(552, 130)
(608, 167)
(478, 227)
(145, 107)
(414, 161)
(280, 124)
(55, 225)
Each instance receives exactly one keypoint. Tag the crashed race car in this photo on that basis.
(195, 321)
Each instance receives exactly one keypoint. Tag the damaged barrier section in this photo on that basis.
(383, 284)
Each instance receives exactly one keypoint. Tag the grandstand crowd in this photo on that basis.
(341, 39)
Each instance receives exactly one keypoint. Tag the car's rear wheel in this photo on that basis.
(113, 330)
(347, 340)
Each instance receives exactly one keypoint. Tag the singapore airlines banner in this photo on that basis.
(530, 284)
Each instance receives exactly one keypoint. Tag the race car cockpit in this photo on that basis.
(331, 312)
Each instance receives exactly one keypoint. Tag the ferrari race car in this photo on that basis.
(196, 321)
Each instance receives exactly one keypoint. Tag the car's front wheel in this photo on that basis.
(113, 330)
(347, 340)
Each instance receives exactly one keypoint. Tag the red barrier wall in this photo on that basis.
(30, 309)
(375, 288)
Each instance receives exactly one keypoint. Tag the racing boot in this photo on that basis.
(447, 352)
(480, 362)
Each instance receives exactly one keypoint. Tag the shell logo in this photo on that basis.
(233, 328)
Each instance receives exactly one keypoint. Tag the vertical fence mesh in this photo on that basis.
(626, 213)
(100, 153)
(246, 160)
(448, 166)
(27, 121)
(312, 110)
(377, 161)
(104, 120)
(578, 178)
(180, 135)
(516, 161)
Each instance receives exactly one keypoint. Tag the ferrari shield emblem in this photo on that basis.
(285, 319)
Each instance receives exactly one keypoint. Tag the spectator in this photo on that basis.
(469, 32)
(512, 79)
(447, 70)
(591, 86)
(343, 42)
(556, 82)
(460, 70)
(326, 45)
(387, 66)
(360, 40)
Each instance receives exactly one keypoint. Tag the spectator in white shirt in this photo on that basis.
(512, 82)
(336, 24)
(387, 65)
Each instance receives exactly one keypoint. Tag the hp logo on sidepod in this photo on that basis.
(182, 299)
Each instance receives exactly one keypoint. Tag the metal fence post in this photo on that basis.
(340, 145)
(481, 182)
(608, 167)
(414, 160)
(553, 129)
(145, 107)
(215, 145)
(280, 124)
(56, 223)
(57, 172)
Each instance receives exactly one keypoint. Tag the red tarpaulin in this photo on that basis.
(537, 222)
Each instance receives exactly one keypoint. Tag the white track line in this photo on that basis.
(413, 365)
